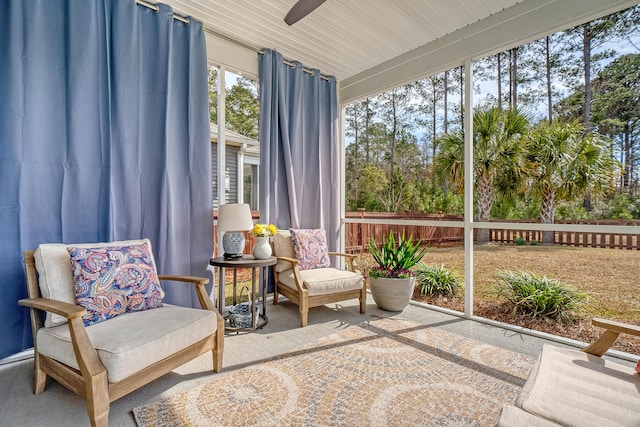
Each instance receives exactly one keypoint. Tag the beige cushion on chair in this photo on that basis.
(132, 341)
(282, 246)
(322, 281)
(574, 388)
(55, 277)
(512, 416)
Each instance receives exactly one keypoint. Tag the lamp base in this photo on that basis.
(233, 244)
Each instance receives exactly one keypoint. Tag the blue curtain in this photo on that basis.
(104, 136)
(299, 152)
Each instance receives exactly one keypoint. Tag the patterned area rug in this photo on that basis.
(386, 372)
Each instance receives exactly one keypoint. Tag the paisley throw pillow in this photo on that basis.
(113, 280)
(310, 247)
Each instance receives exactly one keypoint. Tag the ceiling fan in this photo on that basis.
(301, 9)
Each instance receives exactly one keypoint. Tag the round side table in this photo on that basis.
(247, 261)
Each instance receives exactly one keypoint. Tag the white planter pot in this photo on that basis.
(262, 248)
(392, 294)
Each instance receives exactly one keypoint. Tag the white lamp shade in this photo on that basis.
(234, 217)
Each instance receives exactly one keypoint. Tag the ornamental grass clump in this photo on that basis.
(394, 259)
(520, 241)
(434, 279)
(540, 297)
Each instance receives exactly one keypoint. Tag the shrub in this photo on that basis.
(534, 243)
(395, 258)
(519, 241)
(433, 279)
(540, 297)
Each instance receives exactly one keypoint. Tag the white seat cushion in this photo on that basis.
(574, 388)
(132, 341)
(512, 416)
(322, 281)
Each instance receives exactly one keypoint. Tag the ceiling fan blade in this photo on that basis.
(301, 9)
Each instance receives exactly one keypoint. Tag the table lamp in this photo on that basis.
(233, 219)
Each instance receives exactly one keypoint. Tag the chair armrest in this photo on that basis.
(293, 261)
(296, 272)
(198, 282)
(612, 330)
(61, 308)
(350, 256)
(86, 355)
(351, 259)
(619, 327)
(188, 279)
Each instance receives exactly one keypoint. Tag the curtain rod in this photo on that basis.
(222, 36)
(156, 9)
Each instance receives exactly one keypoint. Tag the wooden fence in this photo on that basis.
(574, 238)
(357, 235)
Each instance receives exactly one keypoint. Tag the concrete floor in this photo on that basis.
(59, 407)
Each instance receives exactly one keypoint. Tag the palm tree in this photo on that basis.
(566, 163)
(499, 160)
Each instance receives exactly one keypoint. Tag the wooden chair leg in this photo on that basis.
(39, 376)
(304, 317)
(217, 359)
(219, 338)
(98, 400)
(217, 352)
(275, 296)
(303, 307)
(363, 301)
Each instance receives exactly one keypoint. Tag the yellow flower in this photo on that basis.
(257, 229)
(264, 230)
(272, 229)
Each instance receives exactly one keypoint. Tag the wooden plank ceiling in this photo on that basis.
(341, 37)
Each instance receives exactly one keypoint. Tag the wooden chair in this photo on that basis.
(573, 387)
(314, 287)
(83, 359)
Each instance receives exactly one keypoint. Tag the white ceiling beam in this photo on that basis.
(238, 59)
(524, 22)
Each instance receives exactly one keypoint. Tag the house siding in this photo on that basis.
(231, 165)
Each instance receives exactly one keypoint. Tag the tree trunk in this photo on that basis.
(366, 130)
(586, 56)
(499, 82)
(548, 66)
(627, 157)
(462, 99)
(355, 148)
(445, 101)
(622, 160)
(355, 132)
(485, 202)
(587, 202)
(547, 216)
(513, 103)
(586, 114)
(394, 129)
(434, 108)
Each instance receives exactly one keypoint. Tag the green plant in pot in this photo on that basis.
(391, 281)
